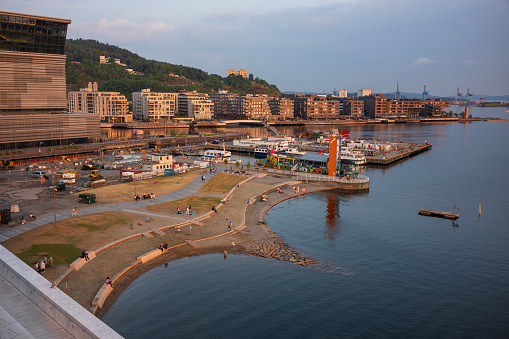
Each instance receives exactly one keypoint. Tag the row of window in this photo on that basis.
(52, 31)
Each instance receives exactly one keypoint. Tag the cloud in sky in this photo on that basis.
(121, 29)
(424, 61)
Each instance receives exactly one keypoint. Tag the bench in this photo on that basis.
(78, 263)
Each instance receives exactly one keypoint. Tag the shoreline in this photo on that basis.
(255, 230)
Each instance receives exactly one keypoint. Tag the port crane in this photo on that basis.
(397, 95)
(459, 95)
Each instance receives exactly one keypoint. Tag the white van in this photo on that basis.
(37, 174)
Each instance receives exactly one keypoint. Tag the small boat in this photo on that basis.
(261, 152)
(217, 155)
(291, 151)
(348, 156)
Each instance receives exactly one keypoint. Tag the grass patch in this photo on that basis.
(221, 183)
(61, 253)
(197, 203)
(158, 186)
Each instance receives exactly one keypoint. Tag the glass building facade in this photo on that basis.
(33, 35)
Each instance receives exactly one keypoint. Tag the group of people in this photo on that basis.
(213, 170)
(24, 221)
(41, 266)
(75, 212)
(188, 210)
(297, 189)
(147, 196)
(163, 247)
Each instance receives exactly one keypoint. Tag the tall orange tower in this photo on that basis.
(333, 154)
(466, 112)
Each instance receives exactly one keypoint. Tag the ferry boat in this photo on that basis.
(348, 156)
(217, 155)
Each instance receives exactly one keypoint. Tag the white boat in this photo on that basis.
(349, 156)
(261, 152)
(292, 151)
(217, 155)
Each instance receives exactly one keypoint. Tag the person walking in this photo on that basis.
(50, 261)
(43, 266)
(230, 225)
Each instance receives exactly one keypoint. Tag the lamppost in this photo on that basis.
(54, 199)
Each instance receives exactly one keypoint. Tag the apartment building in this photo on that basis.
(32, 85)
(378, 106)
(111, 106)
(226, 105)
(343, 93)
(242, 72)
(256, 106)
(281, 108)
(320, 108)
(353, 107)
(154, 106)
(195, 105)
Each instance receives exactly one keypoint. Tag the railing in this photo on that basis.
(359, 179)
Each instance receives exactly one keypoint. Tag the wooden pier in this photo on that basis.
(440, 214)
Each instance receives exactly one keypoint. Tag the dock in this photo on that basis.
(440, 214)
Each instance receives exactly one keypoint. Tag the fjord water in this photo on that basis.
(386, 271)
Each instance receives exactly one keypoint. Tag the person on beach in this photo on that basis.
(108, 282)
(178, 210)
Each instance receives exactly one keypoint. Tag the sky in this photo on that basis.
(309, 45)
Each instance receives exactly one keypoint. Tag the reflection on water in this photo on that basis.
(332, 218)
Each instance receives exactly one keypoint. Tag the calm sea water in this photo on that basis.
(388, 272)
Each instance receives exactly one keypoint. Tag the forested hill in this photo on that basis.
(82, 66)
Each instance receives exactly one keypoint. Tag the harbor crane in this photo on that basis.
(459, 95)
(397, 95)
(468, 96)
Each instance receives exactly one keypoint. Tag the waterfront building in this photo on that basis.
(319, 107)
(256, 106)
(353, 107)
(111, 106)
(242, 72)
(154, 106)
(226, 105)
(378, 106)
(32, 85)
(281, 108)
(195, 105)
(300, 102)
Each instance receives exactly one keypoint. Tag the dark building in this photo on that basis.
(32, 85)
(227, 106)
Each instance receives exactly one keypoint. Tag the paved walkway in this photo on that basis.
(20, 318)
(190, 189)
